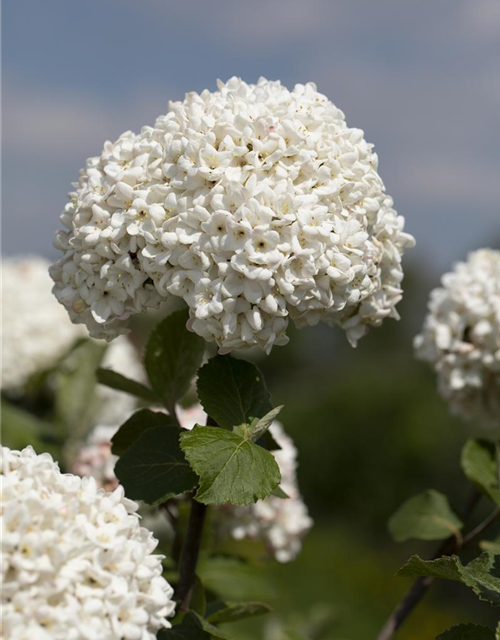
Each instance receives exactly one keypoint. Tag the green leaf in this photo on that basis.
(427, 516)
(259, 427)
(135, 426)
(192, 627)
(467, 632)
(231, 468)
(76, 400)
(172, 358)
(154, 468)
(482, 574)
(445, 567)
(480, 466)
(232, 580)
(232, 392)
(239, 611)
(116, 381)
(279, 493)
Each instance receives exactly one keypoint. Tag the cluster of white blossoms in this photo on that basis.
(76, 565)
(36, 334)
(280, 523)
(253, 203)
(461, 337)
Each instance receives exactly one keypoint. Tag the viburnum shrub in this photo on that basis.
(253, 206)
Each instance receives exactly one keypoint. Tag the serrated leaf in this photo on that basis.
(446, 567)
(76, 400)
(231, 468)
(135, 426)
(480, 466)
(232, 579)
(239, 611)
(117, 381)
(154, 467)
(192, 627)
(427, 516)
(259, 427)
(467, 632)
(482, 574)
(232, 392)
(172, 357)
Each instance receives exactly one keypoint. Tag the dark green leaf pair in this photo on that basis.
(226, 463)
(232, 468)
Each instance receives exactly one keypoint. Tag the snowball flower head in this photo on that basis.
(253, 203)
(36, 334)
(76, 565)
(461, 337)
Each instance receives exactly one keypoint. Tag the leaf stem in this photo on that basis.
(421, 585)
(191, 549)
(190, 552)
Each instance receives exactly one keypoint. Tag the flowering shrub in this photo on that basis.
(461, 337)
(76, 564)
(255, 204)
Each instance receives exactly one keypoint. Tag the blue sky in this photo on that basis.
(422, 78)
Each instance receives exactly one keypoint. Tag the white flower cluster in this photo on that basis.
(253, 203)
(461, 337)
(36, 333)
(76, 565)
(280, 523)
